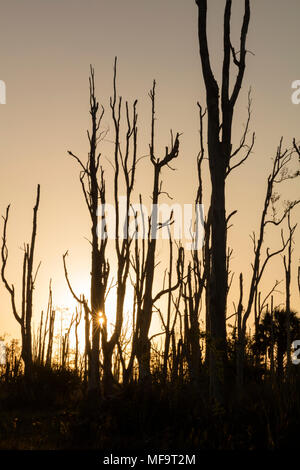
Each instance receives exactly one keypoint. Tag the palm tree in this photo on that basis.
(272, 333)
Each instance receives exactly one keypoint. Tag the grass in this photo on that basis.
(52, 412)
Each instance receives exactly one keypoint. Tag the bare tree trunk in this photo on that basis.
(39, 336)
(28, 282)
(240, 340)
(94, 193)
(87, 350)
(77, 322)
(167, 325)
(122, 249)
(50, 336)
(220, 153)
(287, 268)
(142, 347)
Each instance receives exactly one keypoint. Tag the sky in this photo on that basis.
(46, 48)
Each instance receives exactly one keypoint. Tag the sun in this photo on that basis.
(107, 318)
(101, 319)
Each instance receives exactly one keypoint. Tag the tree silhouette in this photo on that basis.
(272, 333)
(220, 153)
(93, 187)
(24, 318)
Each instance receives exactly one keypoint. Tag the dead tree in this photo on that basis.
(28, 281)
(127, 164)
(192, 293)
(220, 153)
(77, 322)
(287, 262)
(49, 328)
(145, 309)
(278, 174)
(168, 322)
(45, 329)
(138, 264)
(202, 278)
(169, 327)
(93, 187)
(259, 306)
(39, 340)
(65, 339)
(52, 314)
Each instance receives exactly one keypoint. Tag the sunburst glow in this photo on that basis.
(101, 319)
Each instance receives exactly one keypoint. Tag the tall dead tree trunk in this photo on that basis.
(169, 329)
(128, 165)
(94, 193)
(87, 349)
(202, 280)
(52, 313)
(220, 153)
(39, 341)
(43, 334)
(77, 323)
(287, 261)
(28, 281)
(144, 313)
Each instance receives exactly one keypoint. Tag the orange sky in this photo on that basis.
(45, 51)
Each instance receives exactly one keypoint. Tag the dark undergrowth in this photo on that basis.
(52, 412)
